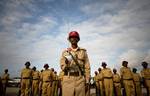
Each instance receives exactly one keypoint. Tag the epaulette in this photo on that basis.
(82, 49)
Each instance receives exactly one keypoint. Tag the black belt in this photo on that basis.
(47, 81)
(128, 79)
(73, 74)
(107, 77)
(26, 78)
(35, 79)
(116, 82)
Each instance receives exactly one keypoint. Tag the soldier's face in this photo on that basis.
(73, 40)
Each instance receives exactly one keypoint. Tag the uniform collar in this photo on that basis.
(75, 49)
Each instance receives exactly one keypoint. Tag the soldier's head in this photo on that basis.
(46, 66)
(27, 64)
(6, 70)
(99, 69)
(55, 72)
(52, 69)
(115, 71)
(73, 37)
(125, 63)
(34, 68)
(144, 64)
(134, 70)
(104, 64)
(96, 72)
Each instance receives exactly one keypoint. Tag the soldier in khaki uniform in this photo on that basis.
(127, 77)
(107, 79)
(40, 83)
(35, 81)
(145, 73)
(53, 84)
(137, 79)
(56, 84)
(101, 85)
(96, 78)
(47, 78)
(26, 76)
(75, 64)
(60, 77)
(5, 79)
(117, 84)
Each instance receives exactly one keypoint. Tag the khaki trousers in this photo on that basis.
(35, 87)
(108, 86)
(129, 87)
(138, 89)
(101, 86)
(47, 89)
(117, 87)
(148, 86)
(73, 86)
(25, 87)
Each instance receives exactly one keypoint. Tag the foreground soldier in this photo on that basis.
(35, 82)
(107, 79)
(46, 77)
(145, 73)
(5, 79)
(137, 79)
(96, 83)
(75, 64)
(117, 85)
(26, 76)
(101, 86)
(127, 77)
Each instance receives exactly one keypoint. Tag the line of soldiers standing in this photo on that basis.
(35, 83)
(111, 84)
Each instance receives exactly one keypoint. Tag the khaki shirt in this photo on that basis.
(5, 78)
(35, 75)
(26, 73)
(116, 78)
(136, 77)
(100, 77)
(61, 74)
(145, 73)
(107, 73)
(47, 75)
(126, 73)
(81, 56)
(96, 78)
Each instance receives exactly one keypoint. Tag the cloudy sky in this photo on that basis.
(37, 30)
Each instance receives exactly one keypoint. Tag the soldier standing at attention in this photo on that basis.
(101, 86)
(26, 76)
(5, 79)
(47, 78)
(117, 84)
(96, 83)
(75, 64)
(127, 77)
(145, 73)
(107, 79)
(137, 82)
(35, 81)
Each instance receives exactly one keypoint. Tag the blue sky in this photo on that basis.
(37, 30)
